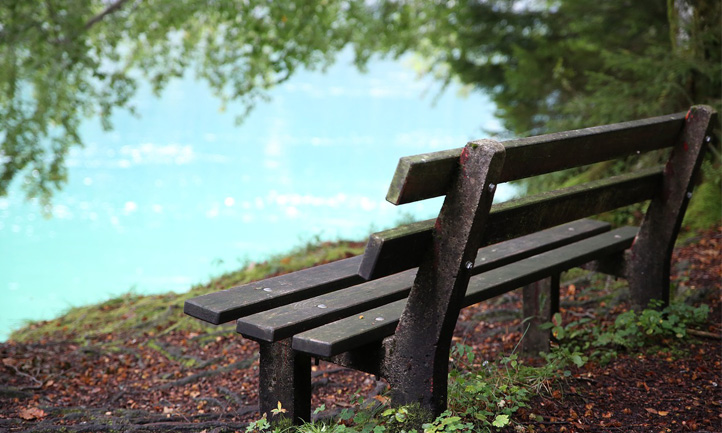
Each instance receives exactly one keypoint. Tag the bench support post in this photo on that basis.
(418, 363)
(649, 260)
(285, 378)
(540, 301)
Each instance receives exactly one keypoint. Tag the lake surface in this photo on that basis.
(181, 194)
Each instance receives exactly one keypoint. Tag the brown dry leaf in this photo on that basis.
(30, 413)
(650, 410)
(382, 399)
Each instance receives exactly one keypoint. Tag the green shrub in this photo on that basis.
(630, 330)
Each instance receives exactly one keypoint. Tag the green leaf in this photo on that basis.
(577, 360)
(501, 421)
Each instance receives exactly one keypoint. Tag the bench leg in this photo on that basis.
(419, 364)
(540, 302)
(285, 378)
(652, 249)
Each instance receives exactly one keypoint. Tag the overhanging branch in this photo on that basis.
(113, 7)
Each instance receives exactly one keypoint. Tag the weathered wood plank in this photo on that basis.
(429, 175)
(364, 327)
(404, 248)
(423, 176)
(350, 332)
(506, 252)
(396, 249)
(387, 252)
(499, 281)
(284, 321)
(230, 304)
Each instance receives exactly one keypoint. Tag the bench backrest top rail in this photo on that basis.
(429, 175)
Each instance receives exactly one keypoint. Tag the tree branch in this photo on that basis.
(113, 7)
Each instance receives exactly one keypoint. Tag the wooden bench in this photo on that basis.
(392, 311)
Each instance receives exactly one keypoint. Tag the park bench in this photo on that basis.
(391, 312)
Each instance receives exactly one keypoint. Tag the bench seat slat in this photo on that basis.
(350, 332)
(365, 327)
(395, 250)
(285, 321)
(535, 268)
(429, 175)
(230, 304)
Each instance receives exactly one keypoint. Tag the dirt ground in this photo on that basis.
(182, 381)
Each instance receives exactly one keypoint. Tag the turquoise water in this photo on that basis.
(181, 193)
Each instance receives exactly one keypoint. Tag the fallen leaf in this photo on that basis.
(30, 413)
(381, 399)
(650, 410)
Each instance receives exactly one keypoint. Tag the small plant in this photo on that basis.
(260, 425)
(487, 395)
(446, 422)
(630, 330)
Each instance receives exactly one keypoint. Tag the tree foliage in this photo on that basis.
(63, 61)
(547, 64)
(565, 64)
(560, 64)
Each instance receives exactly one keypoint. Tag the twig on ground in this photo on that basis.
(194, 377)
(705, 334)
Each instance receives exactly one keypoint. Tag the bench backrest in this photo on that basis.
(430, 175)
